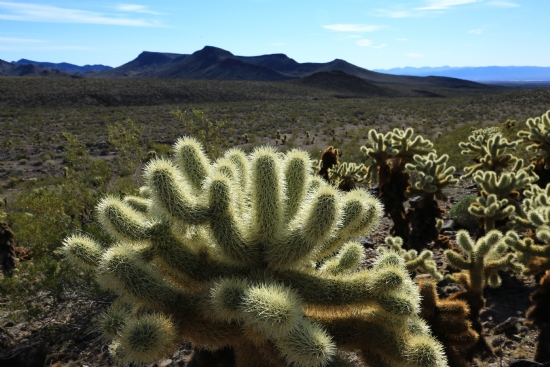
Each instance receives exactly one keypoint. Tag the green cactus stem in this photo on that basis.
(480, 266)
(448, 320)
(489, 154)
(388, 154)
(538, 138)
(414, 261)
(423, 215)
(255, 253)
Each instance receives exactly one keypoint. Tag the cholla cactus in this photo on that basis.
(534, 255)
(488, 154)
(484, 259)
(434, 176)
(538, 138)
(448, 320)
(388, 154)
(346, 175)
(486, 132)
(499, 196)
(255, 253)
(414, 261)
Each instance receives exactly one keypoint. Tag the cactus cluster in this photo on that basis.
(479, 263)
(388, 155)
(538, 139)
(347, 175)
(500, 175)
(256, 253)
(424, 214)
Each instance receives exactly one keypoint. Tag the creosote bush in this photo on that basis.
(256, 253)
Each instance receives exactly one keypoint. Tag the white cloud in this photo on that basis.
(364, 42)
(503, 4)
(476, 31)
(445, 4)
(414, 54)
(431, 8)
(135, 8)
(20, 40)
(52, 14)
(353, 27)
(368, 43)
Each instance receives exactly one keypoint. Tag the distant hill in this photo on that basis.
(345, 85)
(64, 66)
(9, 69)
(217, 64)
(479, 74)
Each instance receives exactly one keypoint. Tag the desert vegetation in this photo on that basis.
(101, 194)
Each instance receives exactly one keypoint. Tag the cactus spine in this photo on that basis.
(434, 176)
(388, 156)
(255, 253)
(538, 138)
(484, 259)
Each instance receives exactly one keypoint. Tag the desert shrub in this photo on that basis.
(460, 214)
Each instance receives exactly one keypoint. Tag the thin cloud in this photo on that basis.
(368, 43)
(503, 4)
(476, 31)
(431, 8)
(277, 44)
(353, 27)
(445, 4)
(52, 14)
(20, 40)
(135, 8)
(414, 54)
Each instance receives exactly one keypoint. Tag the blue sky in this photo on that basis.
(371, 34)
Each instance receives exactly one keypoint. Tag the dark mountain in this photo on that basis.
(10, 69)
(70, 68)
(480, 74)
(345, 85)
(145, 65)
(215, 63)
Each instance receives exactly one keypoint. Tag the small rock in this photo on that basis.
(367, 242)
(497, 341)
(448, 225)
(508, 324)
(486, 314)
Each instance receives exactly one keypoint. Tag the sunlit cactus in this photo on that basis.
(423, 262)
(388, 155)
(533, 250)
(538, 138)
(346, 176)
(448, 320)
(433, 177)
(255, 253)
(489, 154)
(499, 194)
(479, 267)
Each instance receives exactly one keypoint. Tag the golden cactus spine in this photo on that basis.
(256, 253)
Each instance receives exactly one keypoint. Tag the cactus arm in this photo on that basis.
(297, 181)
(192, 161)
(347, 259)
(121, 220)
